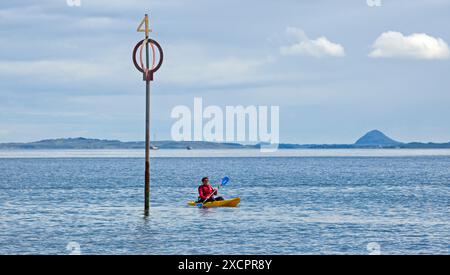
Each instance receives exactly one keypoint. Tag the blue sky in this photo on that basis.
(337, 69)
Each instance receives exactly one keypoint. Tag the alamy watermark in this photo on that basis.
(74, 248)
(374, 3)
(73, 3)
(249, 124)
(374, 248)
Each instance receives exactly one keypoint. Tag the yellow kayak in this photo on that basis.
(225, 203)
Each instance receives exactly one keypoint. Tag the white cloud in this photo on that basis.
(417, 46)
(311, 47)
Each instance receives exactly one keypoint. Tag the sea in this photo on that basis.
(324, 201)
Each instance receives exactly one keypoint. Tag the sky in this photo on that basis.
(336, 69)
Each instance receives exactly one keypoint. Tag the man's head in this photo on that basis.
(205, 181)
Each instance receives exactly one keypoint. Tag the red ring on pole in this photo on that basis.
(148, 73)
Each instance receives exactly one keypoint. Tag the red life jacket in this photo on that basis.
(205, 191)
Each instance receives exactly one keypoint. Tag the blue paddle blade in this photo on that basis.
(200, 205)
(225, 180)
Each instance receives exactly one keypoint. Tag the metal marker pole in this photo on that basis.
(147, 126)
(148, 77)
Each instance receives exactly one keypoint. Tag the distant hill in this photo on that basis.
(373, 139)
(88, 143)
(73, 143)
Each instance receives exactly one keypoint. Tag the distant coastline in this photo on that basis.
(372, 140)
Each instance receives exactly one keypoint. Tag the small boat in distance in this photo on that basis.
(154, 147)
(188, 148)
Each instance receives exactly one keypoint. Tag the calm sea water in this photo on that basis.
(295, 202)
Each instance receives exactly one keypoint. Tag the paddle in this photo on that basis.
(225, 180)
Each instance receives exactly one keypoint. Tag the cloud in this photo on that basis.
(319, 47)
(416, 46)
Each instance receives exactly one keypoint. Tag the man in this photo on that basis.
(206, 192)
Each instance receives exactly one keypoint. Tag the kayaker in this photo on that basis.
(206, 192)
